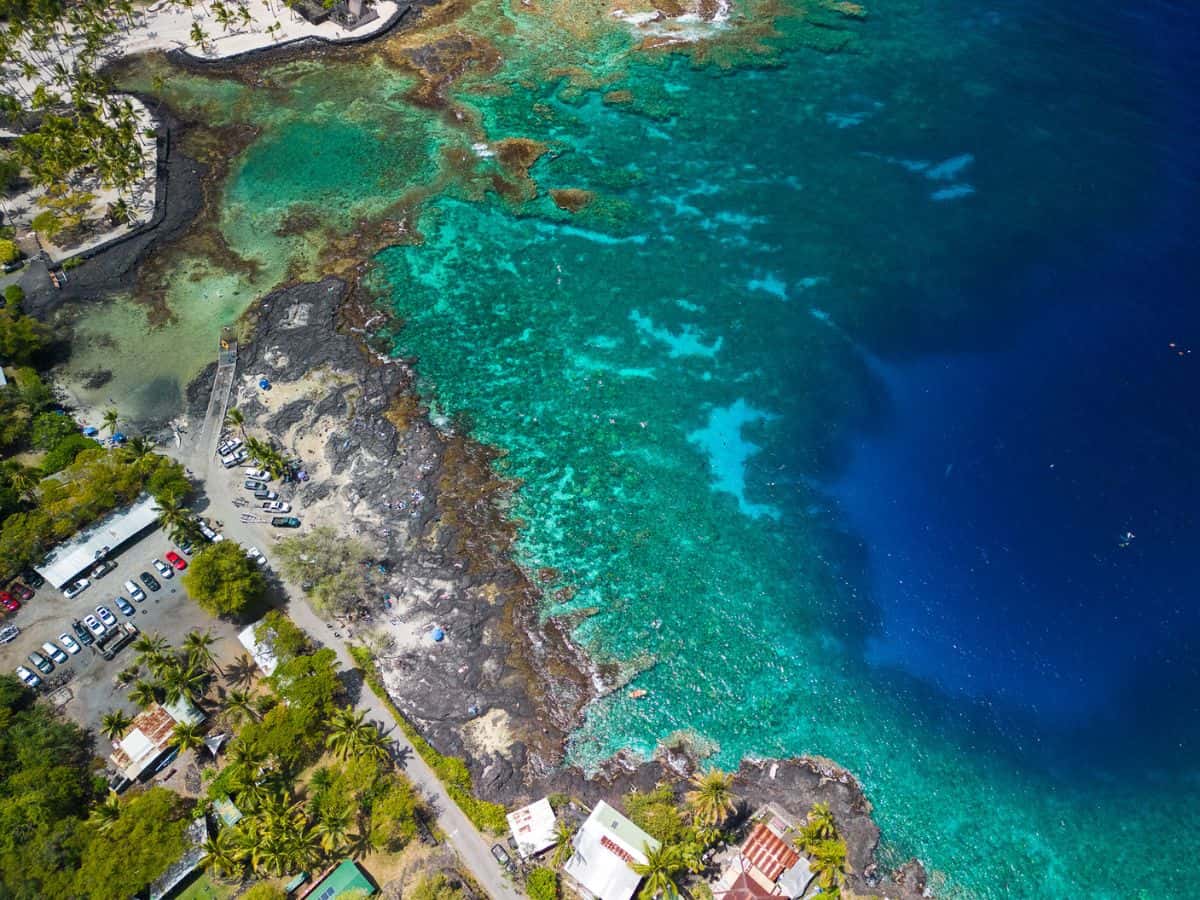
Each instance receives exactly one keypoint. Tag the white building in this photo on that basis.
(605, 847)
(264, 655)
(73, 558)
(532, 828)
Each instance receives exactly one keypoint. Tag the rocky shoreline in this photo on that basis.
(504, 688)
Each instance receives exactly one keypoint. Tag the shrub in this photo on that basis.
(14, 294)
(542, 884)
(65, 451)
(8, 252)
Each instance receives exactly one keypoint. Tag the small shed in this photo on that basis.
(345, 877)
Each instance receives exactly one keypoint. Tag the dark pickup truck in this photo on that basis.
(85, 636)
(285, 522)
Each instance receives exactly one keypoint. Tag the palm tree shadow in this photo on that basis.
(241, 672)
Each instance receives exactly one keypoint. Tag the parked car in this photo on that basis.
(278, 506)
(233, 459)
(12, 266)
(32, 578)
(149, 581)
(103, 569)
(207, 532)
(251, 485)
(9, 633)
(28, 677)
(134, 591)
(501, 855)
(69, 643)
(186, 548)
(176, 560)
(21, 592)
(227, 446)
(163, 569)
(256, 474)
(81, 632)
(105, 615)
(124, 606)
(73, 590)
(255, 554)
(94, 625)
(265, 495)
(9, 602)
(285, 522)
(40, 663)
(55, 652)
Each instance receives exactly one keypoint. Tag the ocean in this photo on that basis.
(855, 400)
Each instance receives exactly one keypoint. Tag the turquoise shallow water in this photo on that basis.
(826, 403)
(679, 375)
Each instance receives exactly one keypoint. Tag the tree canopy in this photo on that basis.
(224, 580)
(150, 835)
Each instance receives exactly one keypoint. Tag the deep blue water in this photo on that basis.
(997, 499)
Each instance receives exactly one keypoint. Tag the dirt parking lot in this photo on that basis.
(88, 677)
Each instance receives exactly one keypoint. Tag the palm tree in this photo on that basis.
(235, 418)
(183, 680)
(828, 864)
(139, 447)
(711, 798)
(25, 481)
(187, 736)
(564, 843)
(662, 866)
(105, 815)
(198, 646)
(239, 706)
(371, 743)
(333, 830)
(224, 854)
(114, 723)
(111, 417)
(821, 823)
(343, 733)
(175, 518)
(150, 647)
(365, 842)
(143, 694)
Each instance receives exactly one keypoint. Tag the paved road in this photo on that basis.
(222, 486)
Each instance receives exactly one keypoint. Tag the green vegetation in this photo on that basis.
(661, 871)
(333, 568)
(79, 124)
(542, 884)
(826, 850)
(452, 771)
(265, 891)
(14, 295)
(711, 798)
(57, 827)
(8, 252)
(150, 832)
(436, 887)
(224, 580)
(22, 337)
(88, 482)
(359, 806)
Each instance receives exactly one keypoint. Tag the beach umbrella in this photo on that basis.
(437, 633)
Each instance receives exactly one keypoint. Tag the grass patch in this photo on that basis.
(205, 888)
(452, 771)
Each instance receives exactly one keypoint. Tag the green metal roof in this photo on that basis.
(345, 878)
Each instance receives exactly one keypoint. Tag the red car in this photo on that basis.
(176, 560)
(23, 593)
(9, 602)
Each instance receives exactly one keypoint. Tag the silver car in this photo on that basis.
(55, 652)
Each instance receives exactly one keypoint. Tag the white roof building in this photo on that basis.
(605, 847)
(264, 656)
(532, 828)
(80, 553)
